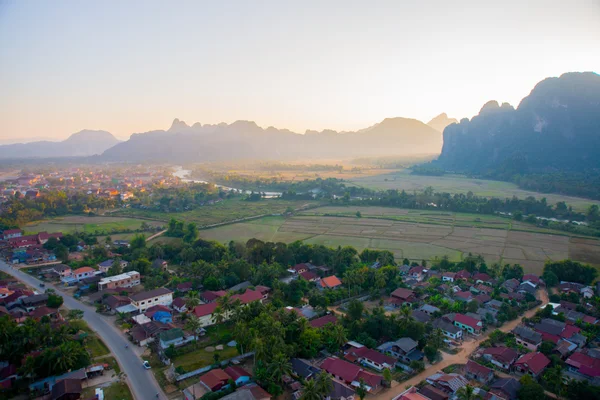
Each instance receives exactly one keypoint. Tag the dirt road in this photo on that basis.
(460, 358)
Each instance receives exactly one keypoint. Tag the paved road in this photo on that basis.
(461, 357)
(141, 381)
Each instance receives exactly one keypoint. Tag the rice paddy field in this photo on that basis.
(418, 235)
(402, 180)
(82, 223)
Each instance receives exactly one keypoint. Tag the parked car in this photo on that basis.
(146, 365)
(42, 285)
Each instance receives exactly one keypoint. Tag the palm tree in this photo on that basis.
(361, 390)
(324, 384)
(338, 333)
(218, 315)
(121, 316)
(278, 367)
(310, 391)
(258, 346)
(466, 393)
(193, 324)
(192, 299)
(405, 312)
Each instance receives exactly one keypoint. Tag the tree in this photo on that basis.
(550, 278)
(192, 299)
(530, 389)
(387, 375)
(324, 384)
(430, 352)
(115, 268)
(355, 310)
(466, 393)
(358, 214)
(361, 390)
(334, 337)
(54, 301)
(279, 367)
(191, 232)
(310, 391)
(193, 324)
(138, 241)
(74, 314)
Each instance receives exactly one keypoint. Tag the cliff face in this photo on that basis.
(556, 127)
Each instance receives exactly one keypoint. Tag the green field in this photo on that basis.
(417, 235)
(201, 358)
(117, 391)
(403, 180)
(225, 211)
(92, 225)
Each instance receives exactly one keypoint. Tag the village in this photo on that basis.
(493, 334)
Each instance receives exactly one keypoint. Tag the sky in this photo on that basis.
(134, 66)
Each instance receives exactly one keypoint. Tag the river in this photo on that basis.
(184, 173)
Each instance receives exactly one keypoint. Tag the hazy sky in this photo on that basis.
(133, 66)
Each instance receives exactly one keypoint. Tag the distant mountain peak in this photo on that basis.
(178, 125)
(440, 122)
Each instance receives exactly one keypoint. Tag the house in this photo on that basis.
(505, 388)
(248, 392)
(511, 284)
(330, 282)
(411, 394)
(584, 365)
(481, 288)
(204, 312)
(161, 316)
(405, 349)
(482, 298)
(502, 357)
(179, 305)
(564, 348)
(159, 263)
(30, 303)
(83, 272)
(304, 369)
(62, 270)
(215, 379)
(570, 287)
(371, 358)
(147, 333)
(210, 296)
(531, 363)
(433, 393)
(469, 324)
(113, 302)
(144, 300)
(420, 316)
(448, 329)
(463, 275)
(448, 276)
(174, 337)
(124, 280)
(575, 316)
(553, 330)
(238, 374)
(402, 296)
(587, 292)
(324, 320)
(67, 389)
(184, 287)
(482, 277)
(299, 268)
(417, 273)
(478, 372)
(531, 278)
(44, 311)
(527, 288)
(466, 296)
(12, 233)
(429, 309)
(351, 373)
(104, 266)
(309, 276)
(527, 337)
(449, 383)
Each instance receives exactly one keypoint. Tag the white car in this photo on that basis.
(146, 365)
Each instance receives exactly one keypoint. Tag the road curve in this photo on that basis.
(141, 381)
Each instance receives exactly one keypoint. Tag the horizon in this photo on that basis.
(297, 67)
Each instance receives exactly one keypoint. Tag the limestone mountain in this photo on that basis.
(247, 140)
(80, 144)
(555, 128)
(440, 122)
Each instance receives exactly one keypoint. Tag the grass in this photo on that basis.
(81, 223)
(116, 391)
(96, 347)
(201, 358)
(403, 180)
(112, 362)
(225, 211)
(417, 235)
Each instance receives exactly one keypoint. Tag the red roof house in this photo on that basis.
(532, 364)
(324, 320)
(215, 379)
